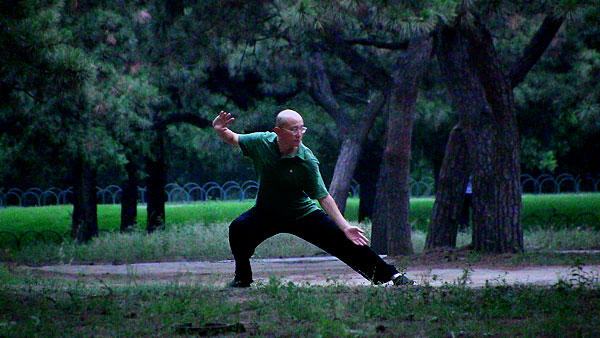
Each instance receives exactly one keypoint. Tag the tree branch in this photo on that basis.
(319, 87)
(369, 68)
(281, 95)
(379, 44)
(33, 96)
(534, 50)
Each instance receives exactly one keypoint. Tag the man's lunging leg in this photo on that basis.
(318, 229)
(245, 233)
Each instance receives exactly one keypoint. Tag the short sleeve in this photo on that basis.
(315, 187)
(249, 143)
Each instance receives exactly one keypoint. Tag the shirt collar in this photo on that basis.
(301, 154)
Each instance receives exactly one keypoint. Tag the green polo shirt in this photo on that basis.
(286, 185)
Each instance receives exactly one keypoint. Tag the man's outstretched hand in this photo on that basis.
(221, 124)
(356, 235)
(222, 121)
(353, 233)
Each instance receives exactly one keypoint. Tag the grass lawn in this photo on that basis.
(199, 232)
(58, 218)
(538, 211)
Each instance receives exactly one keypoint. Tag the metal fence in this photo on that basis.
(563, 183)
(232, 190)
(174, 193)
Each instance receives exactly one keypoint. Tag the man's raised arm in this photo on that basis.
(221, 124)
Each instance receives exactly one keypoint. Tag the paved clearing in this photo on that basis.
(317, 271)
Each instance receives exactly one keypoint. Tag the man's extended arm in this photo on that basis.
(353, 233)
(220, 125)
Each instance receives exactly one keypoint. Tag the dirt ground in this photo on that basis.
(431, 269)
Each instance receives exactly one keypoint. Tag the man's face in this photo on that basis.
(291, 133)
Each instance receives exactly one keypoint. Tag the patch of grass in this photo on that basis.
(175, 243)
(561, 239)
(58, 218)
(73, 308)
(200, 242)
(549, 211)
(561, 210)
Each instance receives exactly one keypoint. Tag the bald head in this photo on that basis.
(287, 117)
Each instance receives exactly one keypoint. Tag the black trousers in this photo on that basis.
(254, 226)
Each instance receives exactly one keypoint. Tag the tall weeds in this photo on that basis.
(201, 242)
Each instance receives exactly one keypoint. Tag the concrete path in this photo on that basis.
(319, 271)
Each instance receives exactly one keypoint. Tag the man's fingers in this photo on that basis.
(224, 119)
(360, 240)
(355, 234)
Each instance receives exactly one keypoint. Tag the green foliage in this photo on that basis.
(37, 58)
(40, 71)
(90, 78)
(536, 157)
(557, 118)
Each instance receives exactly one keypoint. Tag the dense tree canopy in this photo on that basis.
(121, 88)
(128, 58)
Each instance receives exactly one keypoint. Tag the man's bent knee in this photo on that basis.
(239, 239)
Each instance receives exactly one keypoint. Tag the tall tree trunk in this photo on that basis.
(350, 152)
(156, 165)
(354, 133)
(482, 95)
(450, 192)
(344, 170)
(155, 183)
(85, 219)
(368, 182)
(129, 196)
(393, 190)
(496, 179)
(468, 99)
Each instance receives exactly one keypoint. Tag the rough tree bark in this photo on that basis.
(496, 178)
(354, 132)
(482, 95)
(129, 196)
(393, 190)
(84, 219)
(468, 99)
(443, 227)
(384, 218)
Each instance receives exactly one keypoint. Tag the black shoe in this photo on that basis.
(236, 283)
(400, 279)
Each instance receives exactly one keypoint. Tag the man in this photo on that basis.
(465, 212)
(289, 180)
